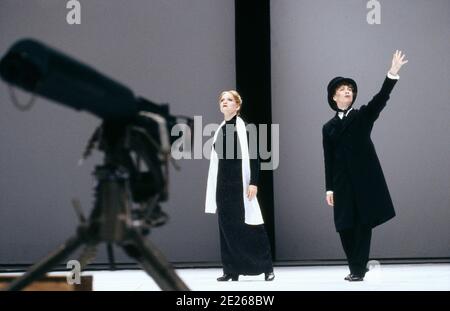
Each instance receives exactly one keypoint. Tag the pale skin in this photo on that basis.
(344, 97)
(229, 107)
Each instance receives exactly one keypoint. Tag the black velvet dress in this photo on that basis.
(245, 249)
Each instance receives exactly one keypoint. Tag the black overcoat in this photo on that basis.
(352, 168)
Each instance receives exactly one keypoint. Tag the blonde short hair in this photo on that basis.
(237, 98)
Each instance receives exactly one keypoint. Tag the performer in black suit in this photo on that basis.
(355, 184)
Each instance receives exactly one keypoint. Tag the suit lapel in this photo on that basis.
(338, 126)
(348, 120)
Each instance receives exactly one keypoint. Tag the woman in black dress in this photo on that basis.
(244, 244)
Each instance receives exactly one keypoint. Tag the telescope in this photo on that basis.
(44, 71)
(134, 136)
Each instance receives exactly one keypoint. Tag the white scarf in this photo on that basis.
(253, 214)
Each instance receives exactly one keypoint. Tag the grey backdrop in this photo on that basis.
(182, 52)
(177, 51)
(314, 41)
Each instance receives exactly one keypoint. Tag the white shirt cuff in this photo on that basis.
(391, 76)
(329, 192)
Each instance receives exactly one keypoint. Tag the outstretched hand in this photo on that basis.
(398, 60)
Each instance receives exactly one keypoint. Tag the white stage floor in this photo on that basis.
(410, 277)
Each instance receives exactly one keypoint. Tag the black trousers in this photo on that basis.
(356, 244)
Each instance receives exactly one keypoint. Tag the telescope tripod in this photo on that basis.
(111, 222)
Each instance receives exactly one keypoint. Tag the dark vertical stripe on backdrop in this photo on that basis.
(253, 82)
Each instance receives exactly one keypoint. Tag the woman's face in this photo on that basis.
(343, 96)
(228, 105)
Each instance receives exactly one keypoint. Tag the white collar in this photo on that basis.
(341, 114)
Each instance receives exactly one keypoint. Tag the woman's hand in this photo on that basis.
(251, 192)
(397, 62)
(330, 199)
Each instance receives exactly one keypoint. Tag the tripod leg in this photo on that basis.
(40, 268)
(110, 251)
(153, 262)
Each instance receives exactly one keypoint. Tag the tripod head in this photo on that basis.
(134, 159)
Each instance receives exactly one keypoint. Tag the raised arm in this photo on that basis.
(379, 101)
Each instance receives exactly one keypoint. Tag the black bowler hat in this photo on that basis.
(334, 83)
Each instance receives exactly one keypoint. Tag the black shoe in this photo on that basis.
(269, 276)
(349, 276)
(228, 276)
(355, 278)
